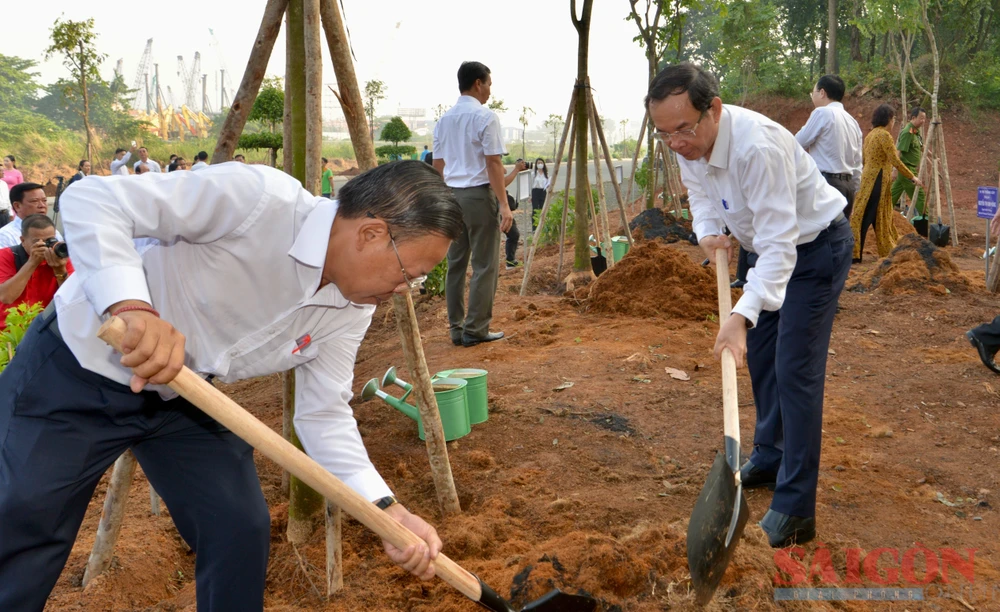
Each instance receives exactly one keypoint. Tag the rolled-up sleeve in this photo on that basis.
(102, 215)
(324, 420)
(767, 177)
(704, 219)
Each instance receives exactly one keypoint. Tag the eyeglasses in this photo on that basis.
(411, 283)
(666, 137)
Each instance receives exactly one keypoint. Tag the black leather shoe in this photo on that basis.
(456, 341)
(753, 477)
(783, 530)
(737, 284)
(984, 353)
(490, 337)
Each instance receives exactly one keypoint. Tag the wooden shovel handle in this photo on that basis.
(730, 397)
(236, 419)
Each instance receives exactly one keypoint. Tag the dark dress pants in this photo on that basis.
(62, 426)
(786, 356)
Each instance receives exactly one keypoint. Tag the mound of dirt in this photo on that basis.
(656, 281)
(914, 265)
(654, 223)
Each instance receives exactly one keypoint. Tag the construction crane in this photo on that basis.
(141, 99)
(225, 82)
(189, 79)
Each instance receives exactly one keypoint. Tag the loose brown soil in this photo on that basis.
(591, 486)
(914, 265)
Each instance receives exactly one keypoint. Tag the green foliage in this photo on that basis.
(553, 219)
(76, 41)
(18, 92)
(982, 81)
(260, 140)
(396, 131)
(434, 285)
(269, 106)
(18, 320)
(644, 175)
(109, 103)
(375, 92)
(395, 152)
(497, 106)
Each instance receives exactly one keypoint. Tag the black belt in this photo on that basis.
(841, 176)
(484, 186)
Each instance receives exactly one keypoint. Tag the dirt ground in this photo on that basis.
(591, 486)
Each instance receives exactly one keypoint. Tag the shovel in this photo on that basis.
(213, 402)
(721, 512)
(938, 233)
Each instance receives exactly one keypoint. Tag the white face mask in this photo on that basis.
(539, 166)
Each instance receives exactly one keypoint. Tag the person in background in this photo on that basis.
(141, 168)
(4, 203)
(239, 157)
(179, 163)
(151, 166)
(875, 199)
(120, 163)
(200, 161)
(327, 179)
(513, 235)
(468, 147)
(424, 154)
(31, 272)
(83, 169)
(172, 158)
(25, 199)
(910, 145)
(539, 185)
(11, 175)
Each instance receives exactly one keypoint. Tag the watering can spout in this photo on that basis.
(371, 390)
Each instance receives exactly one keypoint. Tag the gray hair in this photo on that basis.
(408, 195)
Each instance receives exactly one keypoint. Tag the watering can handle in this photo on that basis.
(272, 445)
(730, 397)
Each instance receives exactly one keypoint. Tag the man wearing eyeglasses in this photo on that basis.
(746, 173)
(251, 275)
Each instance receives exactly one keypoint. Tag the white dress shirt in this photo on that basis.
(120, 166)
(237, 270)
(463, 137)
(766, 189)
(4, 197)
(10, 234)
(833, 138)
(541, 181)
(199, 165)
(151, 164)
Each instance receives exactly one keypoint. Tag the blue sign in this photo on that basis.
(986, 206)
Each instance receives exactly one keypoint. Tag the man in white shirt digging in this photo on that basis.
(251, 275)
(746, 173)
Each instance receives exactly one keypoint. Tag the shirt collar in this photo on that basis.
(311, 244)
(464, 99)
(720, 150)
(836, 105)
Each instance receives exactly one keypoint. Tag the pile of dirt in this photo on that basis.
(914, 265)
(654, 223)
(656, 281)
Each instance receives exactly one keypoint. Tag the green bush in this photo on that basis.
(434, 285)
(18, 320)
(553, 219)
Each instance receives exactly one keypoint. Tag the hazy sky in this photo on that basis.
(414, 46)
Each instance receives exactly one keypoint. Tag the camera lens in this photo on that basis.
(61, 250)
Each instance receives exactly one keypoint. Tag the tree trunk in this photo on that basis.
(286, 122)
(313, 96)
(650, 188)
(822, 50)
(581, 250)
(347, 80)
(831, 51)
(856, 55)
(86, 105)
(111, 517)
(260, 54)
(304, 504)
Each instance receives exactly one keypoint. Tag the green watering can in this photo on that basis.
(619, 246)
(476, 391)
(451, 399)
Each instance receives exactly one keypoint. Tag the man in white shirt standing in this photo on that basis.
(746, 172)
(120, 163)
(252, 275)
(833, 139)
(200, 161)
(151, 165)
(468, 147)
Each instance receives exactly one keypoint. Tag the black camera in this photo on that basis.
(59, 248)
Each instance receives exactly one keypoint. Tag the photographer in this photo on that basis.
(25, 199)
(33, 270)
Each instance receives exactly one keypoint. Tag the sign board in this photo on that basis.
(524, 185)
(620, 174)
(986, 206)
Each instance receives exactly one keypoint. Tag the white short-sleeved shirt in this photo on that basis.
(153, 165)
(463, 137)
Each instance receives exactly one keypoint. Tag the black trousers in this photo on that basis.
(510, 244)
(62, 426)
(871, 211)
(843, 185)
(989, 335)
(537, 202)
(786, 356)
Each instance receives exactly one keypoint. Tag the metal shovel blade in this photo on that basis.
(716, 524)
(553, 601)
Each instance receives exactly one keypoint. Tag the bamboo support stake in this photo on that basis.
(603, 219)
(548, 196)
(943, 156)
(334, 549)
(565, 210)
(635, 162)
(423, 391)
(260, 55)
(922, 175)
(614, 179)
(314, 95)
(111, 517)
